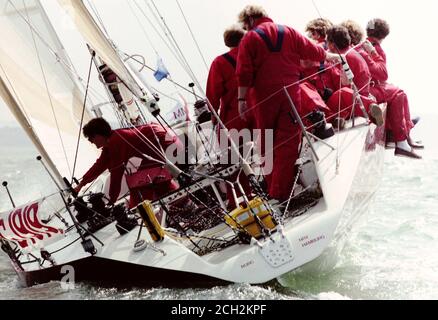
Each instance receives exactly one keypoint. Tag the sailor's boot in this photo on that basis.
(322, 129)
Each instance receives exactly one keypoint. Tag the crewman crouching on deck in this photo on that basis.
(118, 147)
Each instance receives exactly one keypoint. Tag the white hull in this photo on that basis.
(303, 239)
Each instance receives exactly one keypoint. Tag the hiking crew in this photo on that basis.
(377, 31)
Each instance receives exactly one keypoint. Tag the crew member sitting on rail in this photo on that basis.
(377, 31)
(314, 92)
(342, 101)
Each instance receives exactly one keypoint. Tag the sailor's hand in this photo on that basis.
(368, 47)
(332, 57)
(213, 120)
(243, 109)
(78, 188)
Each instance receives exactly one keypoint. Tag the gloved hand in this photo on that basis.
(368, 47)
(243, 110)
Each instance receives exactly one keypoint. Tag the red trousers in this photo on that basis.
(151, 193)
(311, 100)
(342, 100)
(275, 114)
(398, 114)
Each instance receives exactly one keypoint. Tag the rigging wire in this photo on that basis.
(193, 36)
(99, 19)
(142, 27)
(175, 55)
(175, 43)
(168, 78)
(48, 90)
(82, 119)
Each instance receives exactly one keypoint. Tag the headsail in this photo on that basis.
(99, 42)
(38, 87)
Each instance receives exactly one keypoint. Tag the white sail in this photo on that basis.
(39, 89)
(99, 42)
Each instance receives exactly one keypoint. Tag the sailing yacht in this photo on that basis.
(67, 235)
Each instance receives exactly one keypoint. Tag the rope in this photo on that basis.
(144, 65)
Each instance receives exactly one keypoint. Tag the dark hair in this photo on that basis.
(233, 35)
(338, 35)
(378, 28)
(320, 26)
(354, 30)
(97, 126)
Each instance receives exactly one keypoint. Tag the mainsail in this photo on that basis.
(39, 87)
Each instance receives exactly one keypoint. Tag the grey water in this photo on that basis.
(391, 252)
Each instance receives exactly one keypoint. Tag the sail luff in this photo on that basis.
(21, 118)
(95, 37)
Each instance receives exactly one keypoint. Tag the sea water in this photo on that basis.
(391, 252)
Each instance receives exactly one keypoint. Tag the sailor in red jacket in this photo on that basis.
(118, 146)
(341, 102)
(313, 106)
(317, 31)
(398, 105)
(222, 81)
(269, 59)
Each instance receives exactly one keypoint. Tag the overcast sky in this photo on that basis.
(411, 46)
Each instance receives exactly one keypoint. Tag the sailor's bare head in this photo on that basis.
(338, 38)
(97, 131)
(378, 29)
(317, 29)
(233, 35)
(355, 31)
(250, 14)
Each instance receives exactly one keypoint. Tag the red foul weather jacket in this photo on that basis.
(342, 98)
(222, 89)
(123, 145)
(254, 69)
(269, 59)
(362, 74)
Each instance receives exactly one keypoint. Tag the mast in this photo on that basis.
(11, 102)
